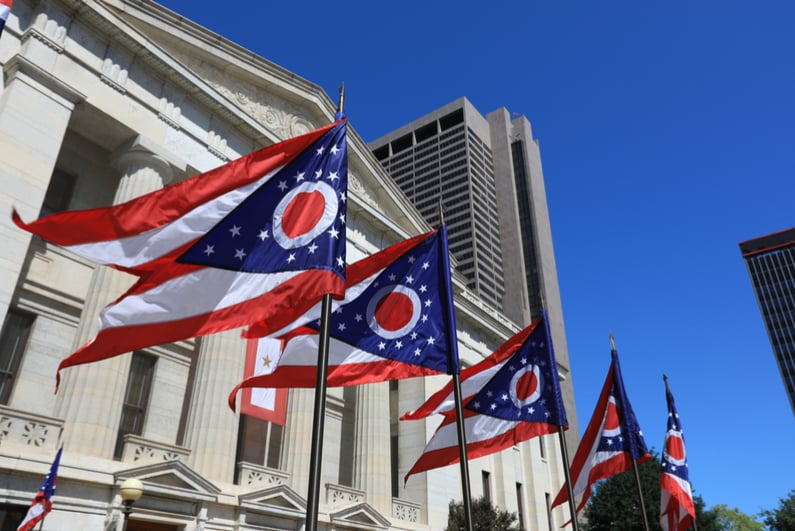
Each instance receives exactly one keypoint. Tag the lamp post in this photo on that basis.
(131, 490)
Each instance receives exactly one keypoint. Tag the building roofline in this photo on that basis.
(768, 242)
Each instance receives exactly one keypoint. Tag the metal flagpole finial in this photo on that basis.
(441, 212)
(341, 101)
(612, 342)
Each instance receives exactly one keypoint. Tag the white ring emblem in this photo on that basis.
(415, 311)
(325, 221)
(535, 395)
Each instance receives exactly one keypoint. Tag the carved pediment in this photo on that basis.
(360, 516)
(280, 500)
(173, 479)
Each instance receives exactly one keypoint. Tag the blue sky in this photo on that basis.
(666, 135)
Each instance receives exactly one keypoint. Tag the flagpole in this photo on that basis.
(640, 493)
(462, 451)
(463, 459)
(567, 478)
(634, 465)
(318, 424)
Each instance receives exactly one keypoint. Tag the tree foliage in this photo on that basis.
(615, 506)
(734, 519)
(485, 517)
(782, 518)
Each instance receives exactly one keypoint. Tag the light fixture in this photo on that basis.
(131, 490)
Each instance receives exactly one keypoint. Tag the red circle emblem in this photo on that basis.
(303, 213)
(394, 311)
(675, 447)
(526, 386)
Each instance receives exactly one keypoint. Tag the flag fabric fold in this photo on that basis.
(392, 323)
(512, 396)
(612, 440)
(42, 503)
(261, 238)
(5, 10)
(677, 511)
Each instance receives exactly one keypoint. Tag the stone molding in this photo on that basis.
(405, 510)
(258, 476)
(141, 451)
(28, 431)
(340, 495)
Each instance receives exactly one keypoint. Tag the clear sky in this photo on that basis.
(667, 134)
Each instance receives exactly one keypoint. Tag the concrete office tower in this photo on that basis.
(771, 265)
(485, 172)
(101, 102)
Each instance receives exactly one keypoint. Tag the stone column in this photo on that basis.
(91, 395)
(297, 440)
(211, 432)
(373, 465)
(34, 115)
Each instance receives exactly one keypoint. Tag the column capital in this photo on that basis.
(23, 69)
(141, 152)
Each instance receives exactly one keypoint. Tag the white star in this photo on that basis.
(409, 279)
(210, 249)
(423, 288)
(417, 352)
(531, 410)
(320, 150)
(399, 344)
(263, 235)
(318, 173)
(341, 327)
(524, 361)
(610, 442)
(428, 303)
(412, 259)
(338, 310)
(334, 149)
(334, 233)
(240, 254)
(381, 345)
(476, 404)
(424, 318)
(299, 176)
(493, 407)
(358, 318)
(282, 185)
(332, 176)
(489, 394)
(426, 265)
(340, 261)
(312, 248)
(431, 340)
(291, 258)
(235, 230)
(342, 219)
(414, 335)
(504, 396)
(343, 197)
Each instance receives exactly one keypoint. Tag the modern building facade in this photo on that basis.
(102, 101)
(771, 265)
(483, 174)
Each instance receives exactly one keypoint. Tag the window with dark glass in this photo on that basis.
(136, 398)
(13, 338)
(59, 193)
(520, 506)
(486, 477)
(11, 516)
(258, 442)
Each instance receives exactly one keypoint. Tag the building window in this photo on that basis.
(520, 506)
(549, 511)
(13, 338)
(136, 398)
(486, 477)
(59, 193)
(542, 447)
(11, 516)
(258, 442)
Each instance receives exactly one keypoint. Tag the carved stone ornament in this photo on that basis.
(283, 118)
(355, 186)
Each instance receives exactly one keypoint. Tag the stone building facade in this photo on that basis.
(103, 101)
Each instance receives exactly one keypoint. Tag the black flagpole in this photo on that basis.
(567, 477)
(635, 466)
(462, 452)
(316, 455)
(459, 412)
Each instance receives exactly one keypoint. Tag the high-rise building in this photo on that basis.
(771, 265)
(484, 175)
(102, 101)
